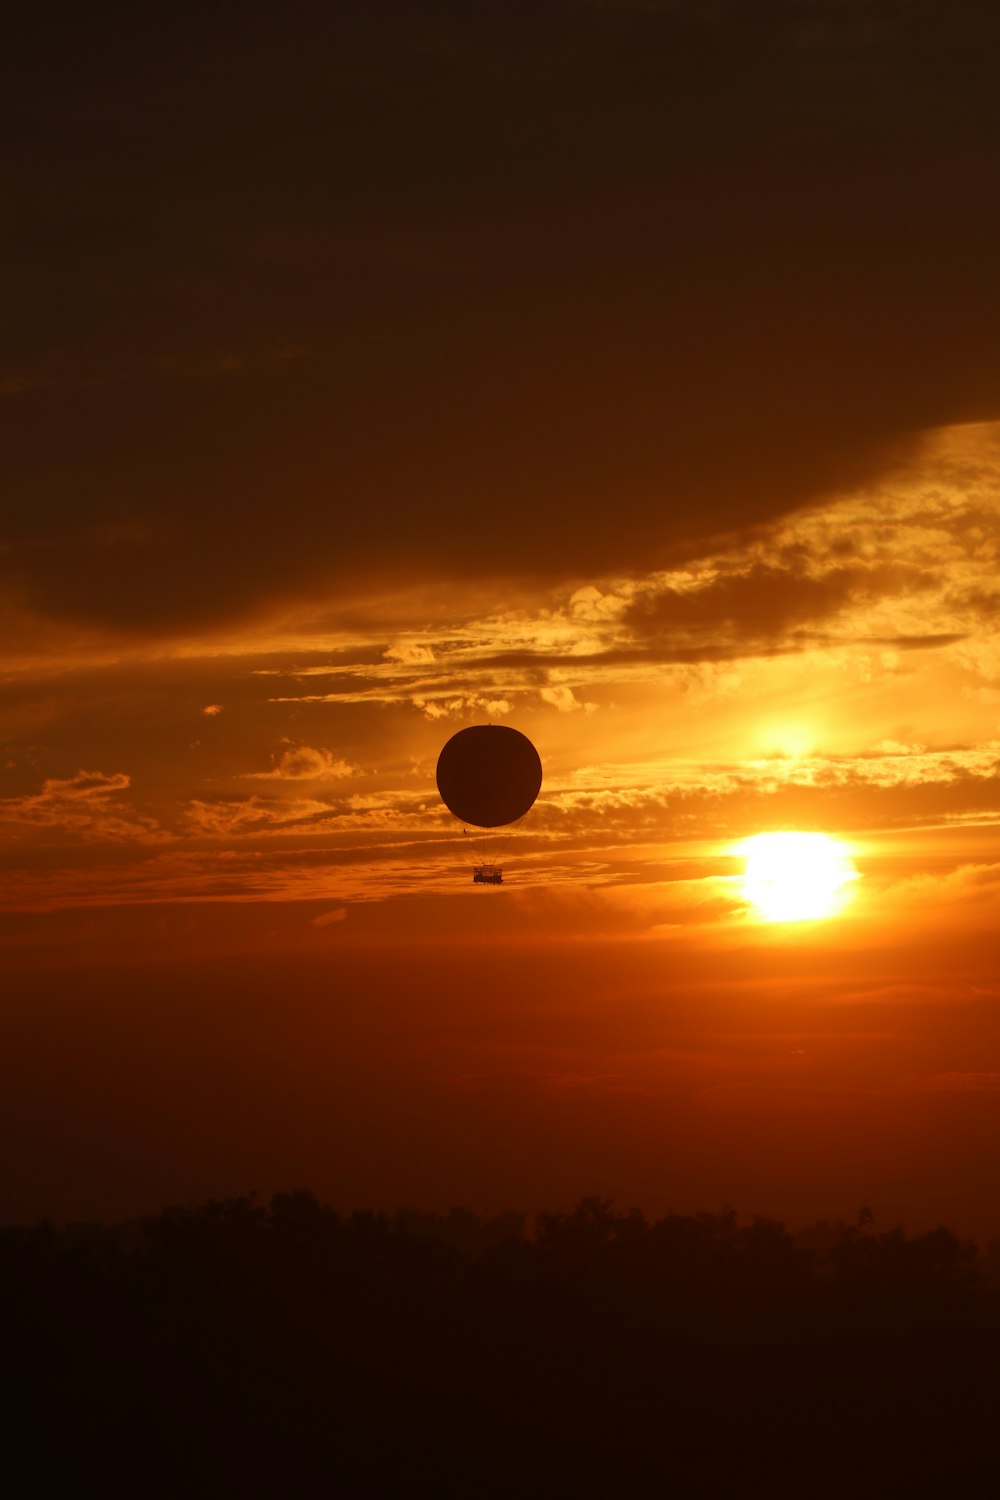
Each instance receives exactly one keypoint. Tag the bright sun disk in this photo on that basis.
(796, 877)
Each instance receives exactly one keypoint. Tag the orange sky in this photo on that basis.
(705, 505)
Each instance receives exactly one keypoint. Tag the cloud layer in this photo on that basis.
(836, 669)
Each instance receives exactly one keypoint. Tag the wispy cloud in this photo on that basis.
(90, 805)
(305, 763)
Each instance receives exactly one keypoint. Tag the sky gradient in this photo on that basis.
(623, 372)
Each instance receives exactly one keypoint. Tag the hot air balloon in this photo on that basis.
(488, 776)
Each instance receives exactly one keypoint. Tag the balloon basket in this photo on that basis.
(487, 875)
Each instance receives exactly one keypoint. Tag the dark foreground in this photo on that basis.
(236, 1350)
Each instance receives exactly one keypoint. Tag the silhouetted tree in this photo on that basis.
(277, 1346)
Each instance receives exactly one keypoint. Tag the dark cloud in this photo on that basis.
(315, 295)
(766, 602)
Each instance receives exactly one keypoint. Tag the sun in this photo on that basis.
(796, 877)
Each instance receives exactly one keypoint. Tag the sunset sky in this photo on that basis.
(624, 371)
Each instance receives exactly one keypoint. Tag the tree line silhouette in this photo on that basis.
(237, 1347)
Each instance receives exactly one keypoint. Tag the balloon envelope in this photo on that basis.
(489, 775)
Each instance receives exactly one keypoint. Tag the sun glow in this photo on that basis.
(796, 877)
